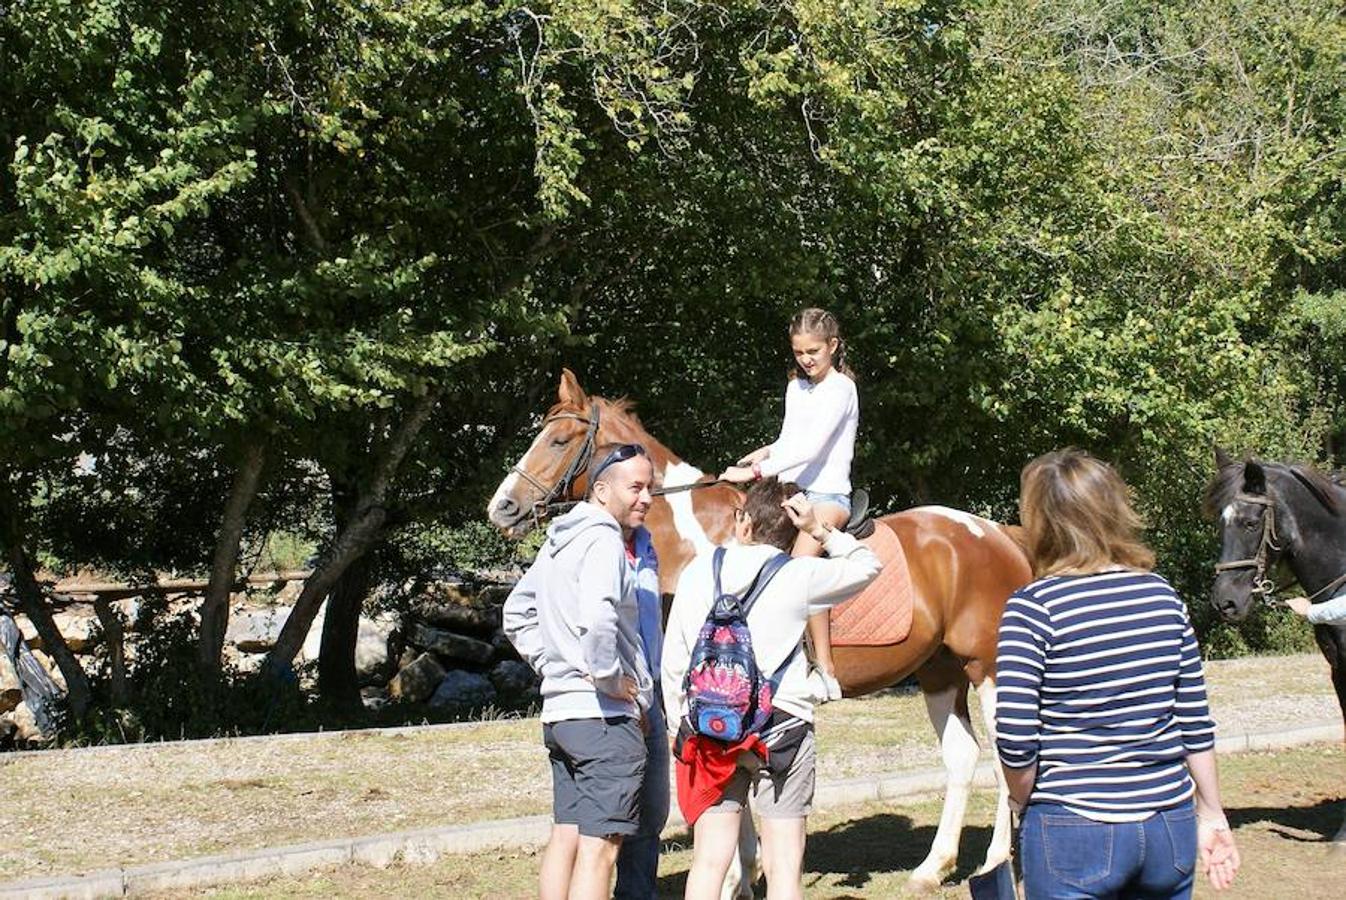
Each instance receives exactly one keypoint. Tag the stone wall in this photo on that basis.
(447, 651)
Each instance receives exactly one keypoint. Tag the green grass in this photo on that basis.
(1282, 805)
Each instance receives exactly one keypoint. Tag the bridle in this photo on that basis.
(555, 498)
(543, 507)
(1263, 587)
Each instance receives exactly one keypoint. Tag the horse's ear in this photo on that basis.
(1222, 459)
(1254, 478)
(570, 392)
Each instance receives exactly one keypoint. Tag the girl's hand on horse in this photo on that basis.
(738, 475)
(1300, 605)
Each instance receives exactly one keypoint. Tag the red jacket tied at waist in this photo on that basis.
(705, 767)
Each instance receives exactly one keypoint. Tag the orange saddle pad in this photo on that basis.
(881, 613)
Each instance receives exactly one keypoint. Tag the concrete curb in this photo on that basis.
(428, 844)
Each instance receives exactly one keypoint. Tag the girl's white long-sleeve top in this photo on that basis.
(817, 438)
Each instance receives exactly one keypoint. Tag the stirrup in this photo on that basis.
(860, 524)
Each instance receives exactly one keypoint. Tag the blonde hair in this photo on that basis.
(820, 323)
(1077, 516)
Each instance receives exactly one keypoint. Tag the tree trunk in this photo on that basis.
(116, 647)
(365, 526)
(215, 606)
(338, 682)
(34, 605)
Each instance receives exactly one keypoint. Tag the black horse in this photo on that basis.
(1273, 513)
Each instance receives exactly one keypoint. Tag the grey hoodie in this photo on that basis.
(574, 617)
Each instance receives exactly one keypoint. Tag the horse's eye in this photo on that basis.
(1249, 525)
(560, 442)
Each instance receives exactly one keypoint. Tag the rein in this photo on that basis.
(695, 485)
(1263, 587)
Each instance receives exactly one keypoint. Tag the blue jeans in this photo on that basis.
(638, 859)
(1068, 857)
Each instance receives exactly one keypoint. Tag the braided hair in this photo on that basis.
(820, 323)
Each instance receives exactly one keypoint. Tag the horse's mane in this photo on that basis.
(1228, 482)
(623, 406)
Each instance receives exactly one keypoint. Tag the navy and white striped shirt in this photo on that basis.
(1098, 681)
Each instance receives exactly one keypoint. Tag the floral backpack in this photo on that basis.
(727, 697)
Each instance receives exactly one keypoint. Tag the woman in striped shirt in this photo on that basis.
(1102, 725)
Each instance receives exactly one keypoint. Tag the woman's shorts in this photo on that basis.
(785, 796)
(842, 500)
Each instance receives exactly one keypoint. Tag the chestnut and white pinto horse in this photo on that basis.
(963, 569)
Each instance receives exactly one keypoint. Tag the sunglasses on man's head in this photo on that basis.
(620, 454)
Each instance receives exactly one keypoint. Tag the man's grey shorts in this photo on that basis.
(596, 766)
(786, 796)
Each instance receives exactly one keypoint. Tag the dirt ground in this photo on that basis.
(1282, 805)
(159, 802)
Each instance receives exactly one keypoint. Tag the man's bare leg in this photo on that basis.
(558, 862)
(594, 861)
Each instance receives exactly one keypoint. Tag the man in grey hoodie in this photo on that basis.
(574, 618)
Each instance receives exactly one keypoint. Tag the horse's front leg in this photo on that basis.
(999, 851)
(958, 746)
(1332, 641)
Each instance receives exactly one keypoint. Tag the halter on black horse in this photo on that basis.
(1263, 587)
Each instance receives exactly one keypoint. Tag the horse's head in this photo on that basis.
(1269, 512)
(1249, 549)
(553, 468)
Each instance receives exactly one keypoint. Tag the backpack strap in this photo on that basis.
(764, 576)
(717, 562)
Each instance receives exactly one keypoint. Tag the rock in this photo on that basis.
(494, 594)
(256, 630)
(503, 648)
(460, 691)
(11, 689)
(25, 725)
(372, 654)
(77, 630)
(514, 680)
(450, 645)
(418, 680)
(129, 607)
(449, 606)
(375, 698)
(249, 663)
(312, 646)
(52, 669)
(371, 646)
(29, 632)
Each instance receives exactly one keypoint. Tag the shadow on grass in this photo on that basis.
(1321, 820)
(858, 850)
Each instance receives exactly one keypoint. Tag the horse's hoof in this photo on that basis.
(921, 886)
(927, 879)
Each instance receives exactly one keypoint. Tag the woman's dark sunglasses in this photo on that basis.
(620, 454)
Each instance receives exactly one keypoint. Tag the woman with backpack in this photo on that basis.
(744, 724)
(815, 447)
(1102, 724)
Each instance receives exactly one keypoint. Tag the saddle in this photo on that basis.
(860, 524)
